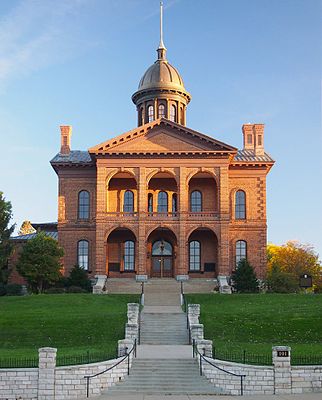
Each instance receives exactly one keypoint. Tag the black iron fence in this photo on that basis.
(21, 362)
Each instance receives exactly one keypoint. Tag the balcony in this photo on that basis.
(165, 216)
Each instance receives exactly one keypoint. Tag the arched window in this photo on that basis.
(196, 201)
(128, 205)
(173, 113)
(240, 205)
(194, 255)
(162, 202)
(82, 254)
(161, 111)
(174, 203)
(150, 114)
(241, 251)
(150, 202)
(161, 248)
(83, 205)
(129, 255)
(182, 116)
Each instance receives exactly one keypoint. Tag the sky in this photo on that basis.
(77, 62)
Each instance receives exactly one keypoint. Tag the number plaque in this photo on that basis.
(282, 353)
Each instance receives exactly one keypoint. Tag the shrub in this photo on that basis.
(244, 278)
(3, 289)
(279, 281)
(14, 289)
(76, 289)
(79, 277)
(55, 290)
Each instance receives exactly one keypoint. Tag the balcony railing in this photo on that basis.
(194, 216)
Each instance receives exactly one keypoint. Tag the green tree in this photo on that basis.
(5, 233)
(244, 278)
(279, 281)
(39, 262)
(79, 277)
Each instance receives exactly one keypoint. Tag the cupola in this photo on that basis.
(161, 92)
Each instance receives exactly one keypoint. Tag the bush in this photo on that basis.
(79, 277)
(279, 281)
(55, 290)
(244, 278)
(14, 289)
(76, 289)
(3, 289)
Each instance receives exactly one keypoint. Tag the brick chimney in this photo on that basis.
(65, 139)
(253, 135)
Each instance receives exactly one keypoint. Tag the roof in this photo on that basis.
(75, 157)
(45, 226)
(29, 236)
(249, 155)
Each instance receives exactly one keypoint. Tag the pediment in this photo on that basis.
(161, 137)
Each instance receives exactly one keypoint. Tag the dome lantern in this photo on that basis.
(161, 92)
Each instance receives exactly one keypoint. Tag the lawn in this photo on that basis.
(76, 324)
(255, 322)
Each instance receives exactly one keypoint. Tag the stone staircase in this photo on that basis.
(164, 376)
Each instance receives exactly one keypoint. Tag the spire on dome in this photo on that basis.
(161, 49)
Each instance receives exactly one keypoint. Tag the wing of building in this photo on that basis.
(163, 200)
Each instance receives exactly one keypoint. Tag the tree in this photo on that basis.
(39, 262)
(279, 281)
(26, 228)
(244, 278)
(295, 259)
(5, 233)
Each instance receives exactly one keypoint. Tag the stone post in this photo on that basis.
(205, 347)
(193, 313)
(282, 370)
(124, 346)
(196, 331)
(131, 331)
(132, 313)
(46, 373)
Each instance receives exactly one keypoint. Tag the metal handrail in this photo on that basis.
(127, 356)
(202, 357)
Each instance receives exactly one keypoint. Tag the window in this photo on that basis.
(240, 205)
(173, 113)
(83, 205)
(162, 202)
(241, 251)
(249, 139)
(196, 201)
(174, 203)
(128, 205)
(129, 255)
(161, 248)
(194, 255)
(82, 254)
(150, 114)
(150, 203)
(182, 116)
(161, 111)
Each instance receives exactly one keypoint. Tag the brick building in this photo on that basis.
(163, 200)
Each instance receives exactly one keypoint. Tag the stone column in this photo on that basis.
(46, 373)
(133, 313)
(205, 347)
(196, 331)
(194, 313)
(124, 346)
(282, 370)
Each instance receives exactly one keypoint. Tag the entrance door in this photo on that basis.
(162, 259)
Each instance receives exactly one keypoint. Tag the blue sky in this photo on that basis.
(78, 62)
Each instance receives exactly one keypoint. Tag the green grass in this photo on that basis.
(256, 322)
(73, 323)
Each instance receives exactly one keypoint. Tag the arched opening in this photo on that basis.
(162, 244)
(173, 113)
(121, 252)
(162, 193)
(150, 113)
(203, 252)
(161, 111)
(240, 205)
(122, 193)
(203, 193)
(83, 204)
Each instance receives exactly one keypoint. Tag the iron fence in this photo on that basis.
(21, 362)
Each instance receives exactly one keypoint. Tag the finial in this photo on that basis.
(161, 49)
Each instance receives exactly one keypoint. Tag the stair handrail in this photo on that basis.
(202, 357)
(127, 356)
(185, 310)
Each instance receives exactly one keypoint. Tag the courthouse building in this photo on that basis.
(163, 200)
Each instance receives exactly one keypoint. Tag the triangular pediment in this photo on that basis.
(161, 137)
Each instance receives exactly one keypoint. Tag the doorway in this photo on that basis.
(162, 259)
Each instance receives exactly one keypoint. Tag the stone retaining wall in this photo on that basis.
(19, 383)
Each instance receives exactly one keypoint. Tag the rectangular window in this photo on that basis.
(259, 140)
(249, 139)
